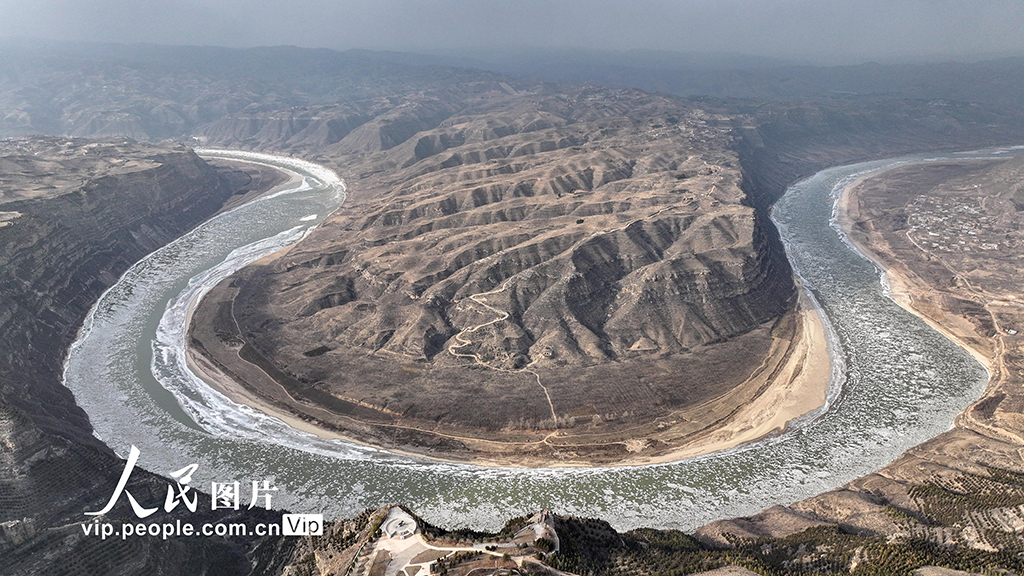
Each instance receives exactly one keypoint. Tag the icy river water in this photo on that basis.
(896, 382)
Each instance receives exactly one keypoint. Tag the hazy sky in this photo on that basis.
(818, 30)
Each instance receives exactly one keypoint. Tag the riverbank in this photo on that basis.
(971, 309)
(904, 286)
(264, 179)
(946, 233)
(799, 388)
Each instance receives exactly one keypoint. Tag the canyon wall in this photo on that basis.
(65, 247)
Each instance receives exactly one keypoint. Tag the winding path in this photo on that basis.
(502, 315)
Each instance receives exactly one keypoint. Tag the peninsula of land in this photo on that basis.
(549, 280)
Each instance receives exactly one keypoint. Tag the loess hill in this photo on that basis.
(582, 261)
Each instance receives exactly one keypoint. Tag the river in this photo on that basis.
(896, 382)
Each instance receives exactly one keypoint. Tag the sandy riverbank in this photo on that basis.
(801, 386)
(267, 180)
(930, 302)
(904, 286)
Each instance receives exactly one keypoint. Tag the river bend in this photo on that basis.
(896, 382)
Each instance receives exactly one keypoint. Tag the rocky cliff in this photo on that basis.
(781, 142)
(73, 242)
(67, 244)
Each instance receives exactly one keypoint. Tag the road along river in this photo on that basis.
(896, 382)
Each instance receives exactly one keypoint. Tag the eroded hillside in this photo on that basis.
(579, 261)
